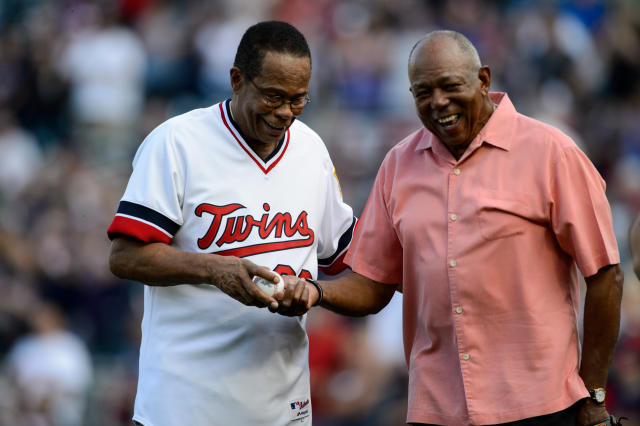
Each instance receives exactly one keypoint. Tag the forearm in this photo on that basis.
(156, 263)
(353, 294)
(601, 324)
(162, 265)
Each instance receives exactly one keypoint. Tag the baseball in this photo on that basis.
(269, 287)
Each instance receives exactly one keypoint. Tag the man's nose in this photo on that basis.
(439, 99)
(284, 111)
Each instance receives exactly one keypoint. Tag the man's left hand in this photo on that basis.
(590, 412)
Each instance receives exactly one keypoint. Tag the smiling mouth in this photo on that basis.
(274, 127)
(448, 121)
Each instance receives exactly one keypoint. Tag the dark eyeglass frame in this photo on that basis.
(276, 101)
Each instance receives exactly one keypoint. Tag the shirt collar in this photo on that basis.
(497, 131)
(227, 105)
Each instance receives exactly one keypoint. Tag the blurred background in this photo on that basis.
(82, 82)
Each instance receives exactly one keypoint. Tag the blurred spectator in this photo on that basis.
(211, 42)
(20, 157)
(171, 67)
(360, 35)
(41, 98)
(624, 382)
(358, 374)
(105, 64)
(51, 371)
(634, 245)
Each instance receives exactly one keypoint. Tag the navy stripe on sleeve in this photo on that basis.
(343, 243)
(150, 215)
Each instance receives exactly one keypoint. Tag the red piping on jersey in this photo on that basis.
(336, 267)
(267, 170)
(134, 228)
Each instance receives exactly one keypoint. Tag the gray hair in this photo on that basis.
(463, 43)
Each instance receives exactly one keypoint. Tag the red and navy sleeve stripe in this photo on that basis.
(335, 264)
(143, 223)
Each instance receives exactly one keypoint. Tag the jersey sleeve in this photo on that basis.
(151, 207)
(580, 213)
(376, 252)
(337, 228)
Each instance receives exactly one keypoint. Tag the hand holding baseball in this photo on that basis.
(296, 298)
(233, 276)
(270, 287)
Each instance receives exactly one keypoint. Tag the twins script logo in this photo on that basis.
(238, 228)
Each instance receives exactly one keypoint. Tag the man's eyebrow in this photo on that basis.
(420, 85)
(449, 78)
(439, 80)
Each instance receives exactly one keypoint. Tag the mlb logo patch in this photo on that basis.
(299, 408)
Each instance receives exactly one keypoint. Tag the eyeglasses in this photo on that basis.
(276, 101)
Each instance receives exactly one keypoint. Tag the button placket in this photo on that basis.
(453, 207)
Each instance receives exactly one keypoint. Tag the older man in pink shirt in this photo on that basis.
(480, 219)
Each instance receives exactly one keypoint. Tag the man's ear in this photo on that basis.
(236, 78)
(484, 75)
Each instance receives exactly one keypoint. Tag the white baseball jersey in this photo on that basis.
(206, 359)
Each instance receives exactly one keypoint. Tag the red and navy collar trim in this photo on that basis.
(265, 165)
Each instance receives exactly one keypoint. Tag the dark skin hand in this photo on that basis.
(601, 327)
(298, 297)
(351, 294)
(158, 264)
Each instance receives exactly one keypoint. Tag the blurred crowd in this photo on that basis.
(83, 81)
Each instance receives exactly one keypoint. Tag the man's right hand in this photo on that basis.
(159, 264)
(234, 275)
(298, 297)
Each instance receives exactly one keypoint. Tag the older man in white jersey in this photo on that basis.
(215, 193)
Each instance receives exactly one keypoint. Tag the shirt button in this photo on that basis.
(465, 357)
(453, 263)
(458, 310)
(454, 217)
(456, 171)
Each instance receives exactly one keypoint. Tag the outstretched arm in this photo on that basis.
(159, 264)
(351, 294)
(601, 327)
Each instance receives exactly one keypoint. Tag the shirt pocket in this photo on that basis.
(501, 216)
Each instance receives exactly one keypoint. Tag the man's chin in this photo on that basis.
(271, 134)
(273, 137)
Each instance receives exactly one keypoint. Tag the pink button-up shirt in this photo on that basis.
(486, 249)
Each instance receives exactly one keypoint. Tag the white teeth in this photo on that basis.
(448, 119)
